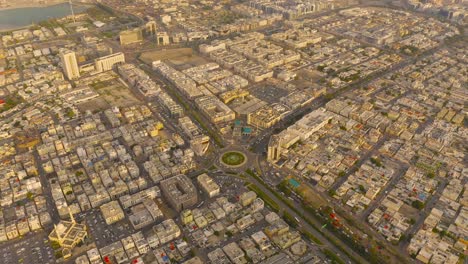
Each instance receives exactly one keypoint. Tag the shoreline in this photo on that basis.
(23, 6)
(29, 5)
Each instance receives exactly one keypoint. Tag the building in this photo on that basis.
(69, 64)
(162, 38)
(131, 36)
(301, 130)
(180, 192)
(112, 212)
(215, 110)
(68, 234)
(106, 63)
(145, 214)
(274, 148)
(247, 198)
(151, 27)
(208, 185)
(267, 116)
(235, 253)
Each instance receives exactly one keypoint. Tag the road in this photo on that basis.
(358, 164)
(309, 228)
(403, 167)
(259, 144)
(424, 212)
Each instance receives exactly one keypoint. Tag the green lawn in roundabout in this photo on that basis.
(233, 158)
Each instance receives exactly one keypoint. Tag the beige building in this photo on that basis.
(69, 64)
(274, 148)
(208, 185)
(112, 212)
(106, 63)
(247, 198)
(267, 116)
(214, 109)
(179, 192)
(162, 38)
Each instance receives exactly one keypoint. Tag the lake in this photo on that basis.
(22, 17)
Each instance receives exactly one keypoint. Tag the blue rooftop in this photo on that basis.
(294, 183)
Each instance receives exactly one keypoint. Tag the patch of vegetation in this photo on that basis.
(108, 34)
(9, 104)
(98, 13)
(332, 256)
(417, 204)
(70, 113)
(55, 245)
(362, 189)
(289, 219)
(102, 84)
(409, 50)
(376, 161)
(284, 187)
(233, 158)
(351, 78)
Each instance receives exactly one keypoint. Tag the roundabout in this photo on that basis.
(233, 159)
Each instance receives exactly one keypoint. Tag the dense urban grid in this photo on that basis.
(211, 131)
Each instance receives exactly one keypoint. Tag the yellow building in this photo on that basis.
(68, 234)
(267, 116)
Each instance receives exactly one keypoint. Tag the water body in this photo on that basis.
(22, 17)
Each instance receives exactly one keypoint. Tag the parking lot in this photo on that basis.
(104, 234)
(269, 93)
(33, 249)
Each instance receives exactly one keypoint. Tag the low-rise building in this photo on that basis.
(112, 212)
(179, 192)
(208, 185)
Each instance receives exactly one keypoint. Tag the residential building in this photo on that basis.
(112, 212)
(208, 185)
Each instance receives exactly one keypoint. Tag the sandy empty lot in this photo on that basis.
(112, 93)
(179, 58)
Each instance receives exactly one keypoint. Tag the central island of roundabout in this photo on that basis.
(233, 159)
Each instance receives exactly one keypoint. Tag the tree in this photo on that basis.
(417, 204)
(55, 245)
(376, 161)
(362, 189)
(70, 113)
